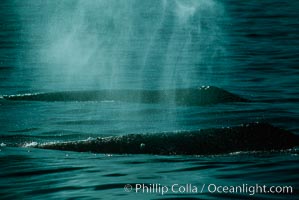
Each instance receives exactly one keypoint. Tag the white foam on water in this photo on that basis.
(30, 144)
(2, 145)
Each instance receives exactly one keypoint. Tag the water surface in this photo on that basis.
(247, 48)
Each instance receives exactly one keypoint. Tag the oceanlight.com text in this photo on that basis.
(175, 188)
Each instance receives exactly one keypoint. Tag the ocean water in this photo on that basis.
(249, 48)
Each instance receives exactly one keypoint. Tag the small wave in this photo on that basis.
(2, 145)
(189, 96)
(30, 144)
(248, 137)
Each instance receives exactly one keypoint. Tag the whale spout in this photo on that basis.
(249, 137)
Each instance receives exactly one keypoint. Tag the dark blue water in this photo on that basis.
(248, 48)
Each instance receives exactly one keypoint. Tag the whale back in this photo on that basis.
(249, 137)
(197, 96)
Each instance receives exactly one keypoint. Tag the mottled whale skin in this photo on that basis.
(249, 137)
(190, 96)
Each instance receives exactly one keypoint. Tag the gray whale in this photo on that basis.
(249, 137)
(188, 96)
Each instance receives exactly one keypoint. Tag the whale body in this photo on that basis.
(249, 137)
(188, 96)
